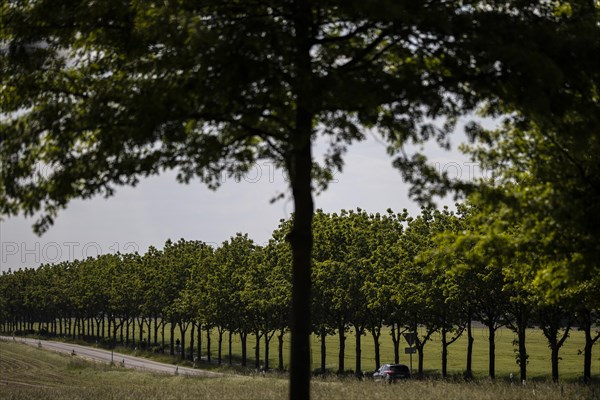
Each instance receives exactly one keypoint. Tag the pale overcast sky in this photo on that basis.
(159, 208)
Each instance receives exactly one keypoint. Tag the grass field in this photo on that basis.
(31, 373)
(570, 366)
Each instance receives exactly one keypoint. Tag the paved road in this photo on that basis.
(105, 356)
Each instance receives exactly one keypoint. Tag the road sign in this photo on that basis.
(410, 337)
(410, 350)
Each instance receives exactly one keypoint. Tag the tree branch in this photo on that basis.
(334, 39)
(365, 51)
(584, 177)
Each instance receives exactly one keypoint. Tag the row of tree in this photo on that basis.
(435, 273)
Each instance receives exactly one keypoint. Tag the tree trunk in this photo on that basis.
(586, 326)
(522, 351)
(444, 353)
(99, 324)
(162, 335)
(243, 337)
(551, 330)
(182, 330)
(280, 350)
(109, 324)
(121, 325)
(208, 355)
(342, 350)
(357, 353)
(199, 342)
(141, 324)
(396, 341)
(492, 351)
(114, 332)
(470, 340)
(149, 326)
(230, 346)
(192, 333)
(376, 333)
(554, 357)
(300, 172)
(587, 357)
(267, 340)
(129, 321)
(220, 332)
(323, 350)
(257, 351)
(421, 371)
(172, 341)
(156, 331)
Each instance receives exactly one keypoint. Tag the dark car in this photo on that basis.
(392, 372)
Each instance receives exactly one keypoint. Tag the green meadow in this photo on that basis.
(30, 373)
(539, 367)
(570, 366)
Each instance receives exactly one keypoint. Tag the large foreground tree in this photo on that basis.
(100, 94)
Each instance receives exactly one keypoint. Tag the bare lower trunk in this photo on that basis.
(396, 341)
(421, 372)
(470, 340)
(280, 348)
(444, 353)
(257, 352)
(156, 326)
(522, 352)
(357, 353)
(376, 333)
(192, 333)
(554, 358)
(342, 349)
(182, 330)
(172, 342)
(149, 326)
(230, 356)
(492, 352)
(208, 355)
(587, 362)
(267, 340)
(243, 337)
(142, 323)
(323, 350)
(162, 336)
(199, 344)
(220, 346)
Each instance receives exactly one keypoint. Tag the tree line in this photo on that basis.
(373, 273)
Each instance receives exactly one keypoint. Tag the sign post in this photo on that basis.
(411, 338)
